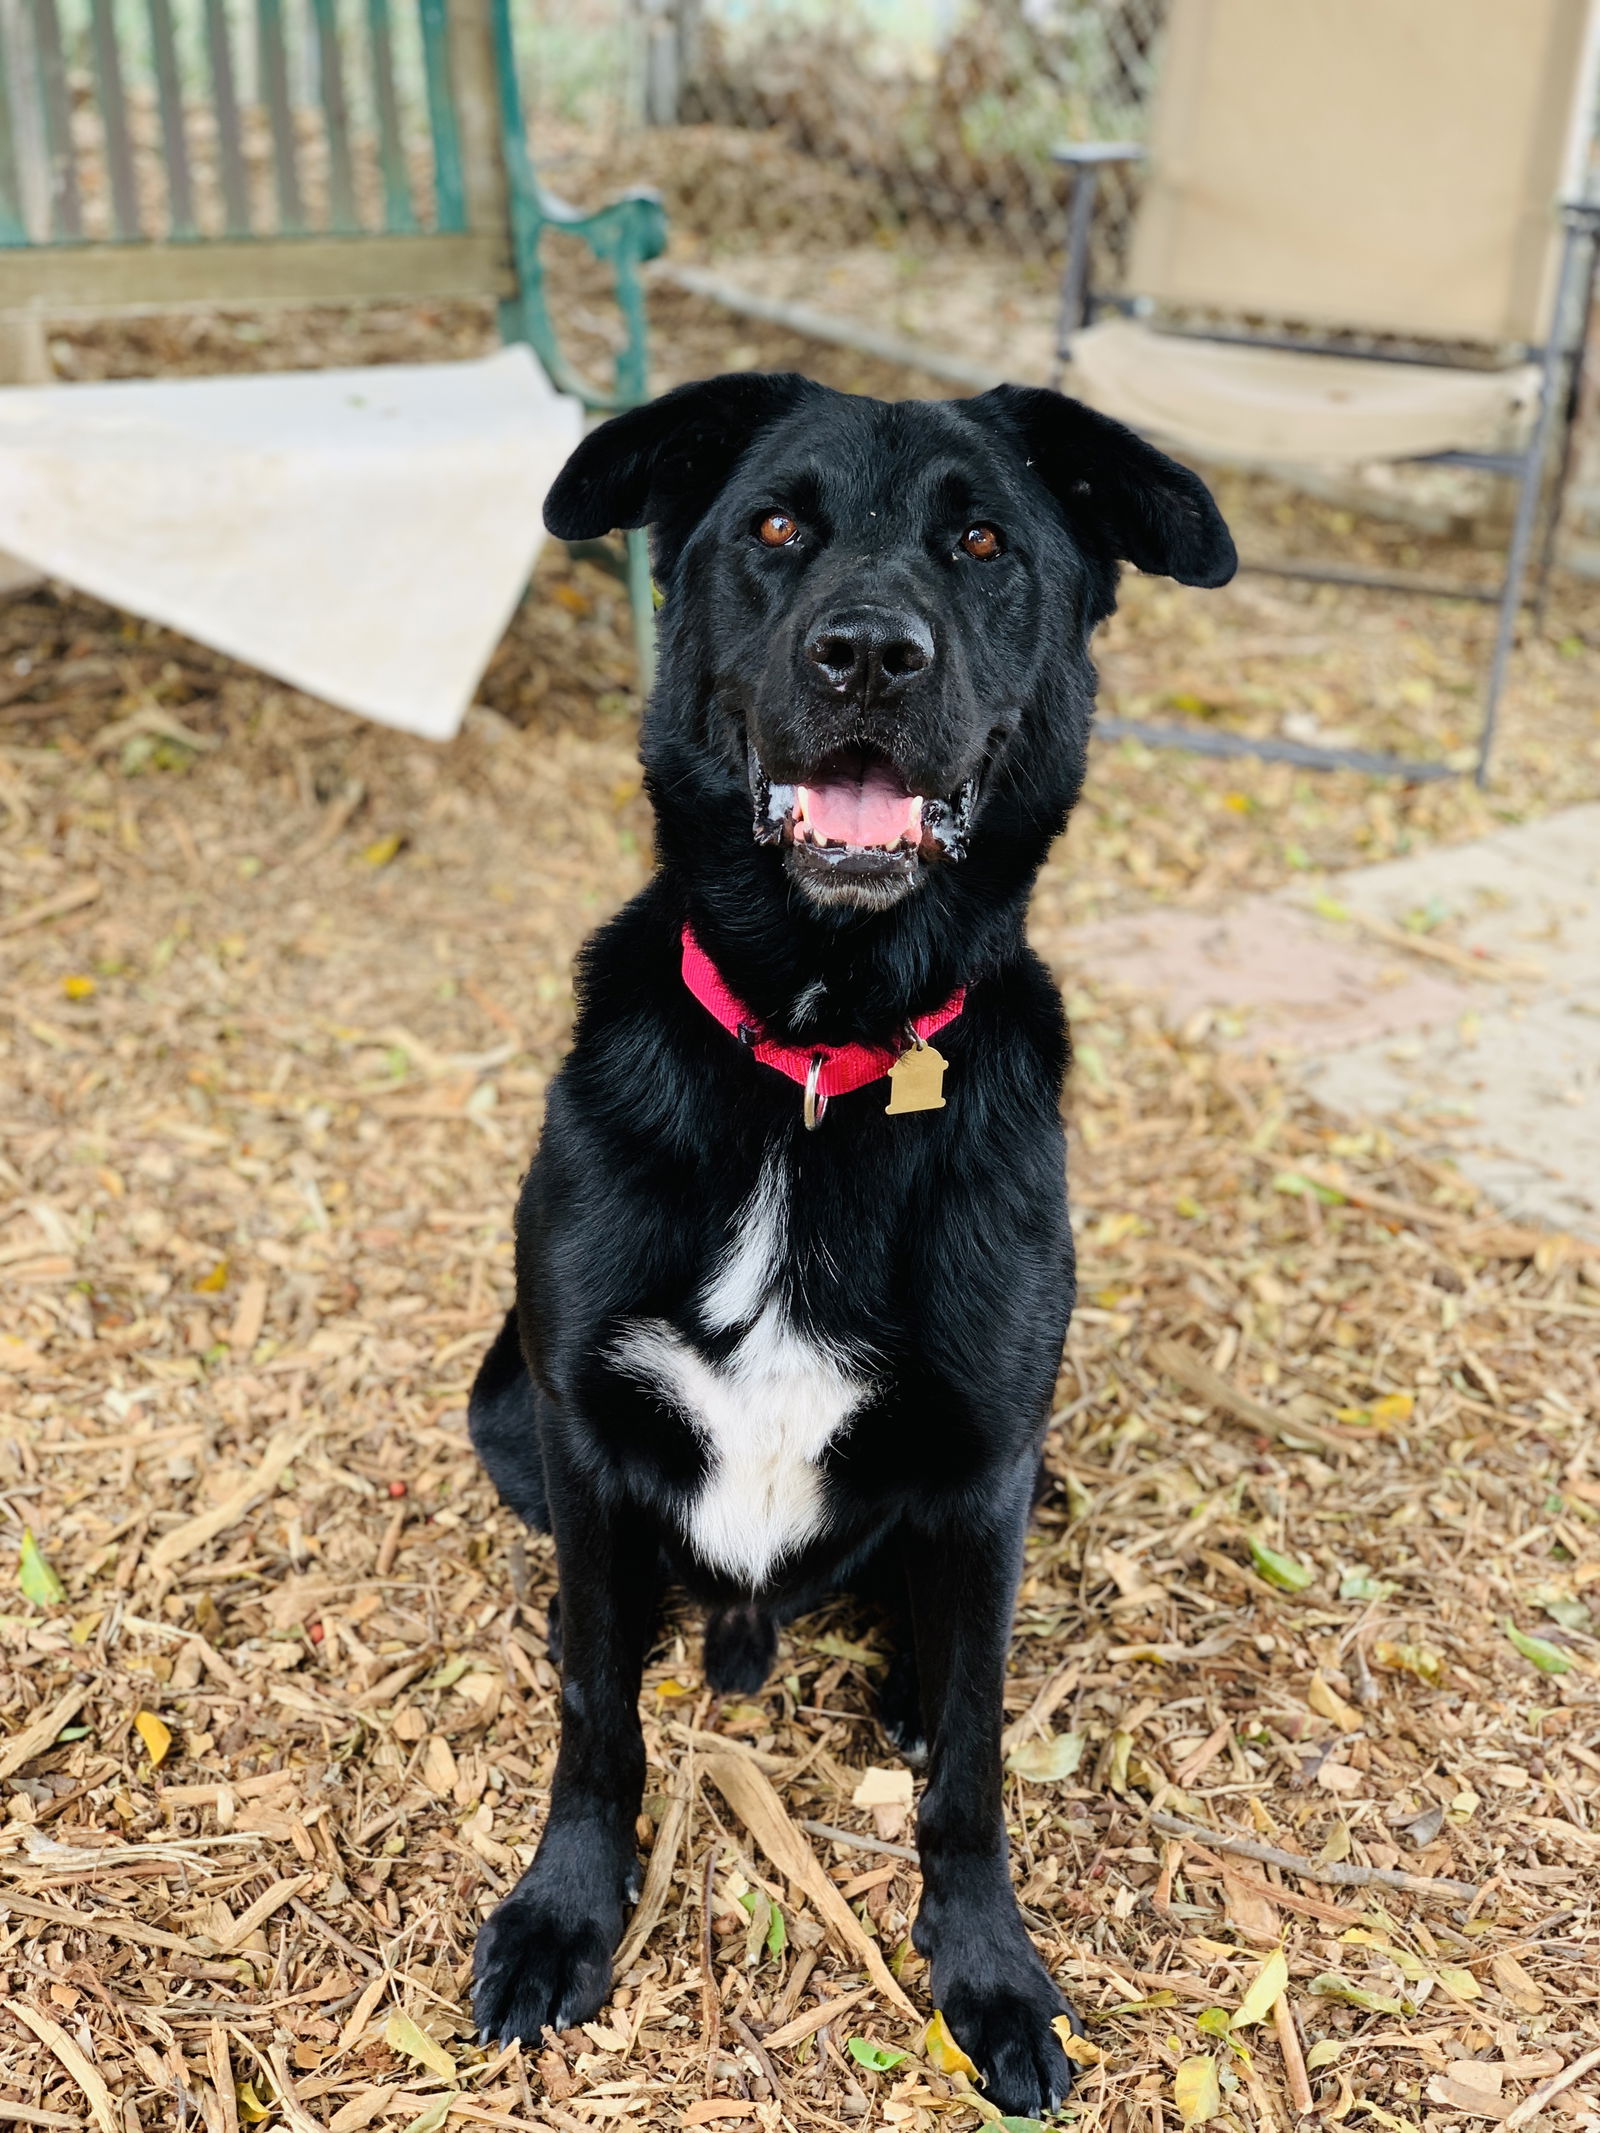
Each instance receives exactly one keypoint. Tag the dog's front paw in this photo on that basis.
(537, 1967)
(1004, 2027)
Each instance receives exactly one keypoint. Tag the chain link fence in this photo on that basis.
(885, 161)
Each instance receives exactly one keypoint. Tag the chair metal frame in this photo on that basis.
(1561, 360)
(489, 214)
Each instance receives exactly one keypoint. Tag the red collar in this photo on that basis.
(844, 1066)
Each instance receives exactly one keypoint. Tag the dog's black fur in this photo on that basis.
(935, 1246)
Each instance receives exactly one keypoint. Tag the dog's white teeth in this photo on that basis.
(912, 834)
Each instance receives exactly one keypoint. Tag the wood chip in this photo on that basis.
(83, 2071)
(33, 1740)
(261, 1910)
(801, 2026)
(220, 2062)
(1294, 2064)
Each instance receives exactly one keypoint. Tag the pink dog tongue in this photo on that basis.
(874, 809)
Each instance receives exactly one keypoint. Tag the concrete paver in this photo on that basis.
(1493, 1055)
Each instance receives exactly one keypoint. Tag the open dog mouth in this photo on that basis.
(854, 819)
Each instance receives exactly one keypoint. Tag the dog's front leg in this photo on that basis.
(543, 1958)
(986, 1976)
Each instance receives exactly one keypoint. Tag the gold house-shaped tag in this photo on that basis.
(916, 1081)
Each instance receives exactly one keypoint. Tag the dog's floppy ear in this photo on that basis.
(663, 463)
(1113, 486)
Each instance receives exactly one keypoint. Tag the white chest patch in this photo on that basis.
(766, 1413)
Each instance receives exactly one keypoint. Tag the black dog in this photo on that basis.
(768, 1362)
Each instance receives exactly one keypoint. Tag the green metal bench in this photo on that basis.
(194, 182)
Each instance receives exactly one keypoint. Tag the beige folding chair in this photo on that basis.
(1407, 175)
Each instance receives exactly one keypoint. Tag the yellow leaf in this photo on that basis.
(671, 1688)
(1196, 2090)
(38, 1581)
(1336, 1845)
(1393, 1407)
(251, 2109)
(78, 988)
(1384, 2118)
(402, 2035)
(157, 1738)
(1459, 1981)
(1266, 1989)
(382, 850)
(211, 1284)
(1410, 1659)
(944, 2051)
(1078, 2049)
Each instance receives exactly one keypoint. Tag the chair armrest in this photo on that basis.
(625, 233)
(633, 226)
(1083, 153)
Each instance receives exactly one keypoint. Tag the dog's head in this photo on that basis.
(876, 612)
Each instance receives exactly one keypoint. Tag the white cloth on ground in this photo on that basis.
(362, 534)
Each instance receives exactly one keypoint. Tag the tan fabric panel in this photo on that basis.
(1387, 164)
(1274, 406)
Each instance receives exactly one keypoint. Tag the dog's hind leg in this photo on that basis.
(880, 1581)
(900, 1699)
(741, 1643)
(503, 1420)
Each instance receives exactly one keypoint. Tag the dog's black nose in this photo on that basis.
(870, 649)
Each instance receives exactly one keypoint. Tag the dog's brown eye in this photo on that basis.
(777, 529)
(982, 542)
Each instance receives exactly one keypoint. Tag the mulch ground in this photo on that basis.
(1306, 1657)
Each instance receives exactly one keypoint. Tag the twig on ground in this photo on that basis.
(1338, 1874)
(857, 1843)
